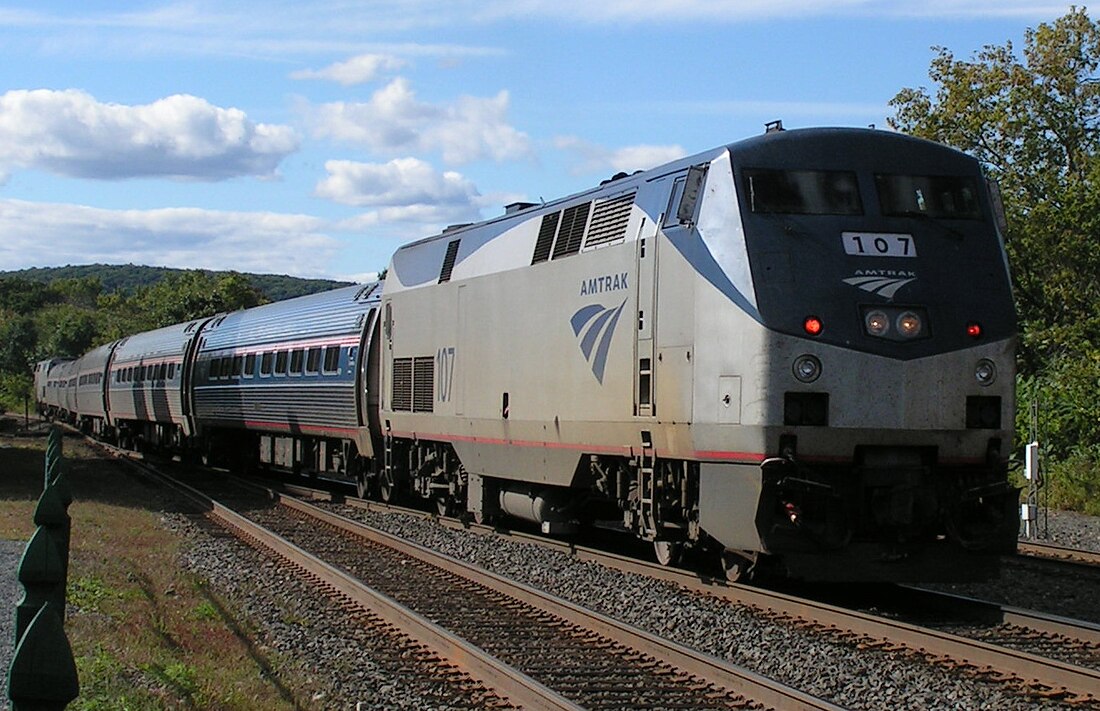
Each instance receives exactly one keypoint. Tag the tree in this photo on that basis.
(1035, 126)
(1034, 123)
(194, 294)
(66, 331)
(17, 343)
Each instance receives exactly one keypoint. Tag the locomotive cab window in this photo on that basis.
(946, 196)
(802, 192)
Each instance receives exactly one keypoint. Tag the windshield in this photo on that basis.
(951, 197)
(803, 192)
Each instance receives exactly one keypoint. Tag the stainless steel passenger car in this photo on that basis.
(295, 374)
(47, 385)
(91, 405)
(149, 387)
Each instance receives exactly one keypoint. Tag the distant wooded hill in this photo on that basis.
(128, 277)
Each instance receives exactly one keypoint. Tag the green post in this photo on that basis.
(42, 676)
(41, 573)
(43, 672)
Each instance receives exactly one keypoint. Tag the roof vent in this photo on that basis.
(613, 178)
(773, 126)
(515, 207)
(454, 228)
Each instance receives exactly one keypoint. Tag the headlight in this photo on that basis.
(985, 372)
(909, 325)
(896, 323)
(877, 322)
(807, 368)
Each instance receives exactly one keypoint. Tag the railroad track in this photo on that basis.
(519, 646)
(1061, 554)
(1041, 655)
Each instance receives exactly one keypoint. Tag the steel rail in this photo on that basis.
(1062, 554)
(1080, 630)
(506, 681)
(703, 666)
(1035, 671)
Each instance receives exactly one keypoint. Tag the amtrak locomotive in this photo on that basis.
(795, 352)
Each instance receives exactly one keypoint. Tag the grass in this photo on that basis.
(145, 633)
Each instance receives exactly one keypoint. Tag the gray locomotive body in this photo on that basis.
(798, 345)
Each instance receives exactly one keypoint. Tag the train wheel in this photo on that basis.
(668, 552)
(738, 568)
(362, 488)
(387, 486)
(443, 505)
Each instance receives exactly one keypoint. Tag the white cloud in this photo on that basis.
(395, 121)
(357, 70)
(179, 237)
(402, 182)
(71, 133)
(591, 158)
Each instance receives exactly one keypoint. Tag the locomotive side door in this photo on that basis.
(646, 319)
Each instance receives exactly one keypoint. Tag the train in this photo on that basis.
(793, 354)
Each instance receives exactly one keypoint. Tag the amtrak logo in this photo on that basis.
(595, 325)
(883, 282)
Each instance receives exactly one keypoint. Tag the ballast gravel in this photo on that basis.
(11, 592)
(310, 632)
(813, 662)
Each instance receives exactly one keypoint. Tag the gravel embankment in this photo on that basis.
(816, 663)
(11, 592)
(347, 665)
(1066, 528)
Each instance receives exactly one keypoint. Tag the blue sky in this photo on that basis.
(313, 138)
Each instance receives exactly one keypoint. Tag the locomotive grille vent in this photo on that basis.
(401, 396)
(449, 261)
(573, 222)
(423, 384)
(413, 385)
(546, 237)
(609, 220)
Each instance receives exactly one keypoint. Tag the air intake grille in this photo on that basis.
(573, 222)
(449, 261)
(423, 384)
(546, 237)
(401, 395)
(609, 220)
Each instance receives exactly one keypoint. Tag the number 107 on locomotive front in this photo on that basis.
(877, 244)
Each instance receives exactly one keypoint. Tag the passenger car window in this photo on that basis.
(332, 359)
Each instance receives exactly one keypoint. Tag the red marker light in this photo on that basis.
(974, 329)
(813, 325)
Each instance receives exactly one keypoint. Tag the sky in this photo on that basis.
(314, 138)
